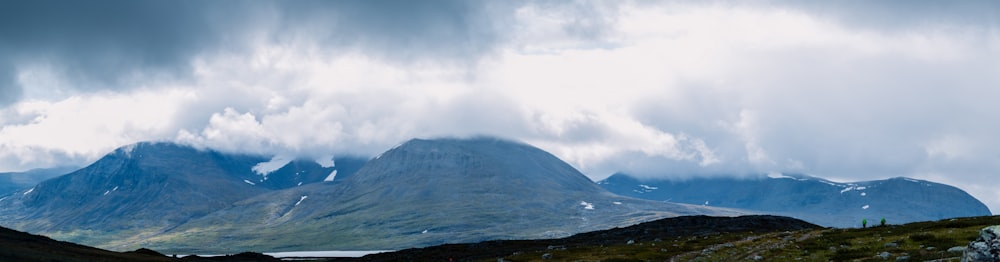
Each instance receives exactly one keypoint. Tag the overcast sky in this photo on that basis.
(846, 90)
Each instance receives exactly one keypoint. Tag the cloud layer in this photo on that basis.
(850, 90)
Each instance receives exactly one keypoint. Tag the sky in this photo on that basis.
(844, 90)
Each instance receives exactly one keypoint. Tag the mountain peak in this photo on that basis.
(479, 160)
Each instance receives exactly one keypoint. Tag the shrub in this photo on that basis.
(923, 238)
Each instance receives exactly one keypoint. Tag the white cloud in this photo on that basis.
(84, 127)
(658, 89)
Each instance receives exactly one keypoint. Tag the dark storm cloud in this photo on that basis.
(99, 44)
(9, 92)
(116, 45)
(396, 29)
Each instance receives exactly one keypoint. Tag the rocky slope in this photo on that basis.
(898, 200)
(426, 192)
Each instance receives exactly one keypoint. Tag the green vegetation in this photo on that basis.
(920, 241)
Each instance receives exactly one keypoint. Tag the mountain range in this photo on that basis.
(179, 199)
(898, 200)
(428, 192)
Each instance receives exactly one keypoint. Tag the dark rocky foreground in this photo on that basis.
(685, 226)
(20, 246)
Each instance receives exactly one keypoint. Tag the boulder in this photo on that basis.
(984, 248)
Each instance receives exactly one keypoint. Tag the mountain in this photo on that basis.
(14, 181)
(421, 193)
(898, 200)
(145, 189)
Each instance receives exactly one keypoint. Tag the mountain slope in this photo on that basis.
(426, 192)
(144, 189)
(898, 200)
(14, 181)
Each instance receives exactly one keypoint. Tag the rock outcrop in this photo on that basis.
(985, 248)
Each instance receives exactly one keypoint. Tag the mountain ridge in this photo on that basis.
(820, 201)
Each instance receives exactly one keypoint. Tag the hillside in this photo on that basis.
(749, 238)
(898, 200)
(653, 231)
(14, 181)
(20, 246)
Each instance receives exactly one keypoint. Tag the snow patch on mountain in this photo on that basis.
(248, 182)
(331, 176)
(28, 192)
(112, 190)
(265, 168)
(864, 207)
(588, 206)
(300, 200)
(850, 187)
(645, 189)
(831, 183)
